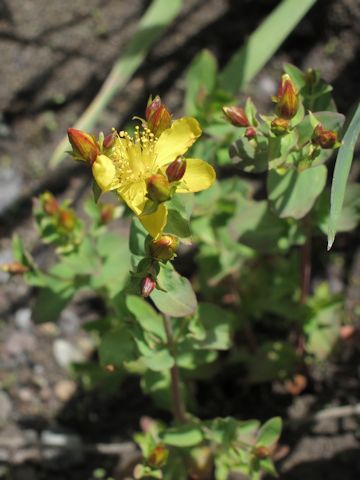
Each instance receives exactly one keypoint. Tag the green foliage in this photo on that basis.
(342, 169)
(176, 297)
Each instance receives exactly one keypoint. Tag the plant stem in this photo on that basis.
(305, 268)
(178, 405)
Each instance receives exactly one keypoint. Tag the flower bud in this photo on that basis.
(164, 247)
(279, 126)
(67, 219)
(324, 138)
(109, 140)
(287, 98)
(107, 212)
(158, 456)
(14, 268)
(262, 452)
(148, 284)
(157, 116)
(237, 116)
(49, 203)
(158, 188)
(176, 170)
(84, 146)
(250, 133)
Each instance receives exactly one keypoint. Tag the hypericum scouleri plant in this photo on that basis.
(148, 171)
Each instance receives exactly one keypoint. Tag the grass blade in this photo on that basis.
(341, 173)
(151, 26)
(263, 43)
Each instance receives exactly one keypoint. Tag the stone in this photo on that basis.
(64, 390)
(5, 407)
(23, 319)
(65, 353)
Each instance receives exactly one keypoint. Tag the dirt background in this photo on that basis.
(54, 58)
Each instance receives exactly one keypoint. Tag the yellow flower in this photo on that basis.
(132, 161)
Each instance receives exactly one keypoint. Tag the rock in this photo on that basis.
(10, 187)
(69, 322)
(5, 407)
(5, 257)
(65, 353)
(20, 343)
(49, 329)
(61, 449)
(26, 394)
(23, 319)
(64, 390)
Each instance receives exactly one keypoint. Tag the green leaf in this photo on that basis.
(146, 316)
(96, 190)
(293, 194)
(183, 436)
(273, 360)
(177, 225)
(158, 360)
(178, 298)
(137, 238)
(154, 22)
(113, 271)
(249, 157)
(350, 214)
(200, 81)
(117, 347)
(267, 465)
(322, 330)
(49, 305)
(341, 173)
(256, 226)
(263, 43)
(217, 324)
(269, 433)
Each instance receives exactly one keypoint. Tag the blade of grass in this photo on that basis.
(151, 26)
(263, 43)
(341, 173)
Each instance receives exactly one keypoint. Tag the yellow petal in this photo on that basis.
(104, 171)
(134, 194)
(155, 222)
(199, 175)
(176, 140)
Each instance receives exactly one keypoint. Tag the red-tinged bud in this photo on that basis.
(279, 126)
(14, 268)
(157, 116)
(158, 457)
(287, 98)
(148, 284)
(164, 247)
(107, 212)
(158, 188)
(237, 116)
(250, 133)
(262, 452)
(176, 170)
(326, 139)
(49, 203)
(109, 140)
(83, 144)
(67, 219)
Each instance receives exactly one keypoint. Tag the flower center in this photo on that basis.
(134, 157)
